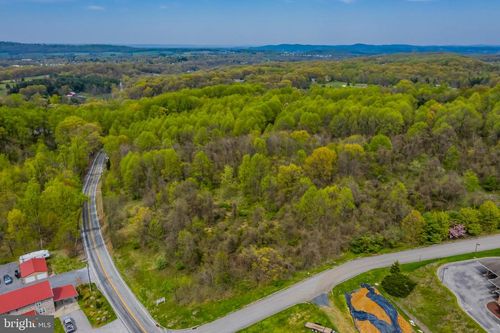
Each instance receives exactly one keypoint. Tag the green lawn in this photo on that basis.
(431, 302)
(292, 320)
(95, 306)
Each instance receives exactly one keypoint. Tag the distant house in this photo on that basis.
(36, 299)
(34, 270)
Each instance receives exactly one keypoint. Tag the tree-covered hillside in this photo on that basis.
(244, 184)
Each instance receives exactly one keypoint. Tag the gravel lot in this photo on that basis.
(465, 279)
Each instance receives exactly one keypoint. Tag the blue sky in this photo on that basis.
(251, 22)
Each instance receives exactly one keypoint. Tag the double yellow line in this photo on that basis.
(94, 244)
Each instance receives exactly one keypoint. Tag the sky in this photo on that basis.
(251, 22)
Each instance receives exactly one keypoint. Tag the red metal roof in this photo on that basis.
(29, 313)
(35, 265)
(20, 298)
(64, 292)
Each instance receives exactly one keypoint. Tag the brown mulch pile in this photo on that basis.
(494, 308)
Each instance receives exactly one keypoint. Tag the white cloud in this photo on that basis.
(96, 8)
(347, 1)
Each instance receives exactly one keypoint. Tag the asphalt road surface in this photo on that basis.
(137, 319)
(128, 309)
(75, 278)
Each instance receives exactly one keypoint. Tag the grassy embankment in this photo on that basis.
(292, 320)
(95, 306)
(149, 284)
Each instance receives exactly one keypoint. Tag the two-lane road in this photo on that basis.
(137, 319)
(128, 309)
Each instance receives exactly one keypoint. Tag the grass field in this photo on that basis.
(3, 89)
(292, 320)
(95, 306)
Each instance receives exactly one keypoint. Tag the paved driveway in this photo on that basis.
(83, 325)
(75, 278)
(472, 289)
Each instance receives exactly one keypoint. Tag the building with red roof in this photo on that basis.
(36, 297)
(34, 270)
(65, 292)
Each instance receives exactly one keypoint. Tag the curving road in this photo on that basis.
(137, 319)
(128, 309)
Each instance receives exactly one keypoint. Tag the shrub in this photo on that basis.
(161, 263)
(367, 244)
(457, 231)
(398, 284)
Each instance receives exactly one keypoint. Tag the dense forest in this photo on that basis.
(256, 179)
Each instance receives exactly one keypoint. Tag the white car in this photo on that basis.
(69, 325)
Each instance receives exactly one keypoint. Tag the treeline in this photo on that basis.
(43, 156)
(435, 69)
(61, 85)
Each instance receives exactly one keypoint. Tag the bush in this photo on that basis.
(367, 244)
(457, 231)
(161, 263)
(398, 285)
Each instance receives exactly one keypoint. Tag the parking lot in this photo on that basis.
(466, 281)
(9, 269)
(83, 325)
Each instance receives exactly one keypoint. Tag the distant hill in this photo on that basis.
(19, 49)
(12, 48)
(365, 49)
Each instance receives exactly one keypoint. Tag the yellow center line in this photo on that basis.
(108, 278)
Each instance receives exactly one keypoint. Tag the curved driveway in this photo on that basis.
(136, 318)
